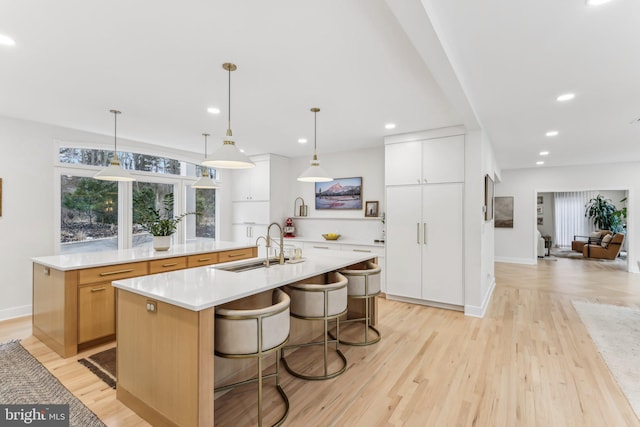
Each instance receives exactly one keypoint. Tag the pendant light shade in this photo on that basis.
(315, 173)
(114, 172)
(205, 180)
(228, 156)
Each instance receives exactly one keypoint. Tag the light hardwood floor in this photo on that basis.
(529, 362)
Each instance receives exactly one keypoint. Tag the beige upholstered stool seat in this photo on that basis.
(319, 301)
(254, 326)
(363, 283)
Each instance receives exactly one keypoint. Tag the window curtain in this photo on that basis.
(569, 215)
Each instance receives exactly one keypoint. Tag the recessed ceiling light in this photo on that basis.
(302, 140)
(242, 150)
(390, 126)
(544, 153)
(597, 2)
(540, 162)
(552, 133)
(213, 110)
(566, 97)
(6, 40)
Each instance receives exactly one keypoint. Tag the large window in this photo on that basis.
(100, 215)
(89, 214)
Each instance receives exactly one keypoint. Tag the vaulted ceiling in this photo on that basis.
(364, 63)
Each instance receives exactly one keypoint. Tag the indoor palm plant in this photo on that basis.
(161, 225)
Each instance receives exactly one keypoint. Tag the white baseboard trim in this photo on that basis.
(510, 260)
(425, 302)
(475, 311)
(13, 312)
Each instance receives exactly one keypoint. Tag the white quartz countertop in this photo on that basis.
(104, 258)
(203, 287)
(293, 240)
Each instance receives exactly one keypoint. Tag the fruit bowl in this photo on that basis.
(331, 236)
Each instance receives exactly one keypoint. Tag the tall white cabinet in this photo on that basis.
(256, 199)
(424, 177)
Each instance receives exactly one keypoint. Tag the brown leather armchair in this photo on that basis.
(595, 238)
(611, 250)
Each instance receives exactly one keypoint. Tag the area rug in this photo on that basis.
(616, 332)
(103, 365)
(25, 381)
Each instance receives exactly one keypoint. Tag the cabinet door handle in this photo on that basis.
(234, 255)
(424, 180)
(171, 264)
(98, 289)
(424, 239)
(204, 259)
(361, 250)
(321, 247)
(111, 273)
(417, 232)
(418, 180)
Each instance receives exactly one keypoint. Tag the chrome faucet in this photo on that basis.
(281, 258)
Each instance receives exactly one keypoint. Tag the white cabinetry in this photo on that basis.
(252, 184)
(256, 201)
(424, 219)
(427, 161)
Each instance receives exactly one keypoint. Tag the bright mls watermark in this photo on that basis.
(34, 415)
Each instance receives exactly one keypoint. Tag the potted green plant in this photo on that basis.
(161, 225)
(603, 214)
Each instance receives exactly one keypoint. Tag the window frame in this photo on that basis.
(181, 185)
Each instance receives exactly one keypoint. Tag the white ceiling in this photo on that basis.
(161, 64)
(514, 58)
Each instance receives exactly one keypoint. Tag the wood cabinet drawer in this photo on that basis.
(237, 254)
(112, 272)
(96, 311)
(167, 264)
(202, 259)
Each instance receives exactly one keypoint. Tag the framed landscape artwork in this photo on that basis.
(341, 193)
(504, 212)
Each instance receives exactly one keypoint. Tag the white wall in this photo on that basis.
(366, 163)
(27, 225)
(479, 236)
(517, 244)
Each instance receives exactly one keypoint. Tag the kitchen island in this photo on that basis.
(74, 302)
(165, 332)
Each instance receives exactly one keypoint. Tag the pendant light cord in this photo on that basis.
(229, 101)
(115, 133)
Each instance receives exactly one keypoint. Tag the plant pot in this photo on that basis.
(161, 243)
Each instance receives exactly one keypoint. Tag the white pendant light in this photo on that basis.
(228, 156)
(205, 180)
(315, 173)
(114, 172)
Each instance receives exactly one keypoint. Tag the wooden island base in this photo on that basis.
(165, 359)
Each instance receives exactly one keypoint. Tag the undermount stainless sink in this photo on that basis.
(238, 268)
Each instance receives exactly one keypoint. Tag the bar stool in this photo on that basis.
(364, 283)
(253, 327)
(313, 301)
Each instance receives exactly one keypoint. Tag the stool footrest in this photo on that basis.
(366, 341)
(317, 377)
